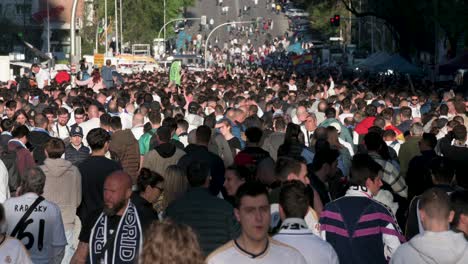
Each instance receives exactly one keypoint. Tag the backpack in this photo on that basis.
(9, 158)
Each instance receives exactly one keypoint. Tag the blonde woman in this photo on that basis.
(168, 242)
(175, 185)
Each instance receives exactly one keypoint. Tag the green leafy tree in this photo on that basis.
(413, 23)
(142, 19)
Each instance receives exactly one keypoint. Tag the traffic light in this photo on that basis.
(335, 21)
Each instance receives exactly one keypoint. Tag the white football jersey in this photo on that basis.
(43, 229)
(276, 252)
(12, 251)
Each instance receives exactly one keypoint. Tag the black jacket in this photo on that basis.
(459, 157)
(201, 153)
(144, 208)
(37, 139)
(210, 217)
(76, 156)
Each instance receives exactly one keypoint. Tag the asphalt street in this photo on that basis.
(211, 9)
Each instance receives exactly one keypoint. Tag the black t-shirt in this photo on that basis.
(94, 171)
(112, 224)
(234, 144)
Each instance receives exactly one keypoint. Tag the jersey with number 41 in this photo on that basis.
(42, 230)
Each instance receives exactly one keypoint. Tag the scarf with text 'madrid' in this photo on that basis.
(126, 242)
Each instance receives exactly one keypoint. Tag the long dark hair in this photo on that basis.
(96, 76)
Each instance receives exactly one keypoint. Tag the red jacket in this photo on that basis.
(363, 127)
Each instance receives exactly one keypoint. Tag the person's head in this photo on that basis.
(442, 170)
(434, 210)
(459, 205)
(182, 126)
(293, 200)
(279, 124)
(416, 129)
(41, 121)
(427, 142)
(254, 135)
(150, 185)
(80, 115)
(371, 110)
(287, 169)
(54, 148)
(76, 136)
(325, 163)
(138, 120)
(175, 184)
(6, 125)
(93, 112)
(10, 108)
(365, 172)
(224, 126)
(21, 133)
(235, 176)
(310, 122)
(459, 133)
(389, 135)
(116, 123)
(33, 180)
(170, 242)
(330, 112)
(252, 210)
(21, 117)
(163, 134)
(198, 174)
(373, 141)
(405, 113)
(203, 135)
(154, 118)
(98, 140)
(62, 116)
(117, 192)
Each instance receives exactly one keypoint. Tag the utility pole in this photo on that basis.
(116, 29)
(48, 28)
(106, 46)
(121, 26)
(164, 22)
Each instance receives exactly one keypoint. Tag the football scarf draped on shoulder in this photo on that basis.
(127, 242)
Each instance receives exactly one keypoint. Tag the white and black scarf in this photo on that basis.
(126, 243)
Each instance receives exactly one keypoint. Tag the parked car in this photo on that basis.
(295, 12)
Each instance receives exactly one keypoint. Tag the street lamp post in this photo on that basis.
(214, 29)
(174, 20)
(164, 27)
(73, 31)
(116, 28)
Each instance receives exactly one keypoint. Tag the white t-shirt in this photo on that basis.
(276, 252)
(312, 247)
(88, 126)
(45, 230)
(61, 132)
(138, 132)
(41, 77)
(13, 251)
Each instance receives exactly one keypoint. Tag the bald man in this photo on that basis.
(92, 122)
(137, 125)
(115, 233)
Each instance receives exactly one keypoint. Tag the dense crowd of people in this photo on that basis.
(240, 165)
